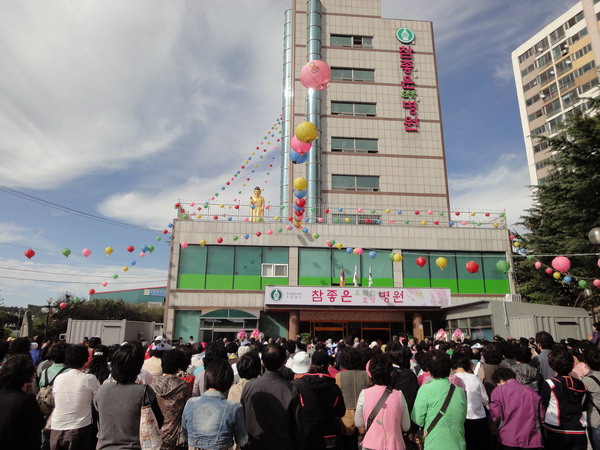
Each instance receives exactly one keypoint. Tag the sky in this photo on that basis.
(121, 109)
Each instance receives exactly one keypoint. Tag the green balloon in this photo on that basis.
(115, 276)
(235, 238)
(407, 222)
(478, 224)
(76, 299)
(151, 248)
(373, 211)
(185, 217)
(529, 256)
(336, 220)
(216, 194)
(391, 256)
(282, 207)
(332, 242)
(582, 284)
(260, 219)
(279, 230)
(158, 238)
(316, 235)
(503, 266)
(66, 252)
(312, 209)
(502, 214)
(441, 213)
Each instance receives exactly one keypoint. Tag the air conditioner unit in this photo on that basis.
(540, 49)
(568, 61)
(542, 95)
(552, 72)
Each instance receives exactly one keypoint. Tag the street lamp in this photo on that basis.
(594, 236)
(49, 310)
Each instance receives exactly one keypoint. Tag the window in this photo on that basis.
(552, 108)
(587, 86)
(354, 183)
(546, 76)
(529, 85)
(535, 115)
(527, 70)
(354, 109)
(530, 101)
(557, 34)
(338, 40)
(538, 130)
(352, 74)
(543, 61)
(353, 145)
(570, 97)
(541, 146)
(589, 66)
(584, 50)
(363, 219)
(274, 270)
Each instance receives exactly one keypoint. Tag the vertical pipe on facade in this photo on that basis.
(287, 113)
(313, 107)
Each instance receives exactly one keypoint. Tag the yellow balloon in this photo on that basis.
(276, 218)
(388, 210)
(441, 262)
(252, 153)
(198, 216)
(108, 250)
(125, 269)
(556, 275)
(222, 205)
(472, 213)
(517, 244)
(347, 219)
(307, 132)
(397, 257)
(202, 242)
(495, 225)
(424, 222)
(339, 245)
(300, 183)
(255, 165)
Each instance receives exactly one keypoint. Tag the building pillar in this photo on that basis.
(294, 325)
(418, 326)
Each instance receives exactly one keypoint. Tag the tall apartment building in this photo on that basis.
(555, 71)
(376, 181)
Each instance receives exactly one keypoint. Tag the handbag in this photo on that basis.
(149, 432)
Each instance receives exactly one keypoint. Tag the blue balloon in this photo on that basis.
(297, 158)
(522, 251)
(229, 219)
(349, 250)
(373, 254)
(340, 209)
(246, 236)
(249, 158)
(222, 188)
(567, 279)
(305, 230)
(300, 194)
(133, 263)
(238, 172)
(297, 208)
(145, 248)
(170, 225)
(379, 222)
(252, 206)
(253, 171)
(399, 211)
(451, 223)
(307, 220)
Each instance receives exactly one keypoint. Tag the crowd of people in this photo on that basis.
(277, 394)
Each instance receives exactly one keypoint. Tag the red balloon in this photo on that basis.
(165, 231)
(29, 253)
(62, 305)
(511, 237)
(421, 261)
(92, 291)
(290, 219)
(326, 211)
(219, 240)
(368, 221)
(472, 267)
(457, 213)
(299, 213)
(435, 222)
(131, 249)
(237, 206)
(177, 205)
(549, 271)
(216, 217)
(258, 233)
(300, 202)
(417, 213)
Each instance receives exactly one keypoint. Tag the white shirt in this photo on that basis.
(476, 395)
(74, 392)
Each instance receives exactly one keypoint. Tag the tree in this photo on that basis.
(566, 206)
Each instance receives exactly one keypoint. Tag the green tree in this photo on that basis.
(566, 206)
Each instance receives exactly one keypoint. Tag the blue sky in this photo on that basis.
(120, 109)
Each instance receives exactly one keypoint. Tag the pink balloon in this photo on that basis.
(463, 223)
(598, 262)
(392, 222)
(288, 227)
(315, 75)
(561, 263)
(359, 251)
(269, 231)
(104, 283)
(596, 283)
(62, 305)
(320, 219)
(301, 147)
(359, 210)
(184, 245)
(246, 219)
(192, 204)
(538, 265)
(142, 254)
(86, 252)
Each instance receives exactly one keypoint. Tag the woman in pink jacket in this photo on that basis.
(392, 419)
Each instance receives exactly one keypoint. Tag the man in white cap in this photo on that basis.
(160, 344)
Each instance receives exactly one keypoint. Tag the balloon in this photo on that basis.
(372, 254)
(568, 279)
(235, 238)
(472, 267)
(300, 202)
(130, 248)
(63, 305)
(258, 233)
(142, 254)
(517, 244)
(115, 276)
(269, 232)
(133, 263)
(596, 283)
(537, 265)
(349, 250)
(582, 284)
(158, 238)
(29, 253)
(300, 183)
(315, 235)
(561, 264)
(549, 271)
(359, 251)
(145, 248)
(299, 194)
(398, 257)
(421, 261)
(77, 299)
(92, 291)
(104, 283)
(306, 132)
(556, 275)
(300, 147)
(297, 158)
(184, 245)
(219, 240)
(391, 256)
(338, 245)
(86, 252)
(503, 266)
(315, 74)
(246, 236)
(151, 248)
(125, 268)
(66, 252)
(441, 262)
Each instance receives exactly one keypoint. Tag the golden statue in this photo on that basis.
(258, 202)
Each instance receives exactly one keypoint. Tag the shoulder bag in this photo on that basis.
(149, 431)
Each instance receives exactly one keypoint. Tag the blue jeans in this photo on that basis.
(594, 435)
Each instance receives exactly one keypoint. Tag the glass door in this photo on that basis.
(328, 330)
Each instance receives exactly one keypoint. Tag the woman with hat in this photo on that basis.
(322, 402)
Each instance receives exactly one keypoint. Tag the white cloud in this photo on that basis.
(504, 185)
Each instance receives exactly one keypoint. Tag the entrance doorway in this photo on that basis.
(369, 331)
(328, 330)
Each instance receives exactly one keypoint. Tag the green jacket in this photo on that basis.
(449, 433)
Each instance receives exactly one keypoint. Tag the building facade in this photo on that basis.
(381, 252)
(555, 71)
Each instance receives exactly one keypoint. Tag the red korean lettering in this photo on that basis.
(346, 297)
(407, 83)
(317, 296)
(411, 105)
(411, 124)
(406, 52)
(331, 295)
(398, 295)
(407, 66)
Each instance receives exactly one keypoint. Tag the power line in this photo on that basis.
(69, 274)
(81, 282)
(73, 211)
